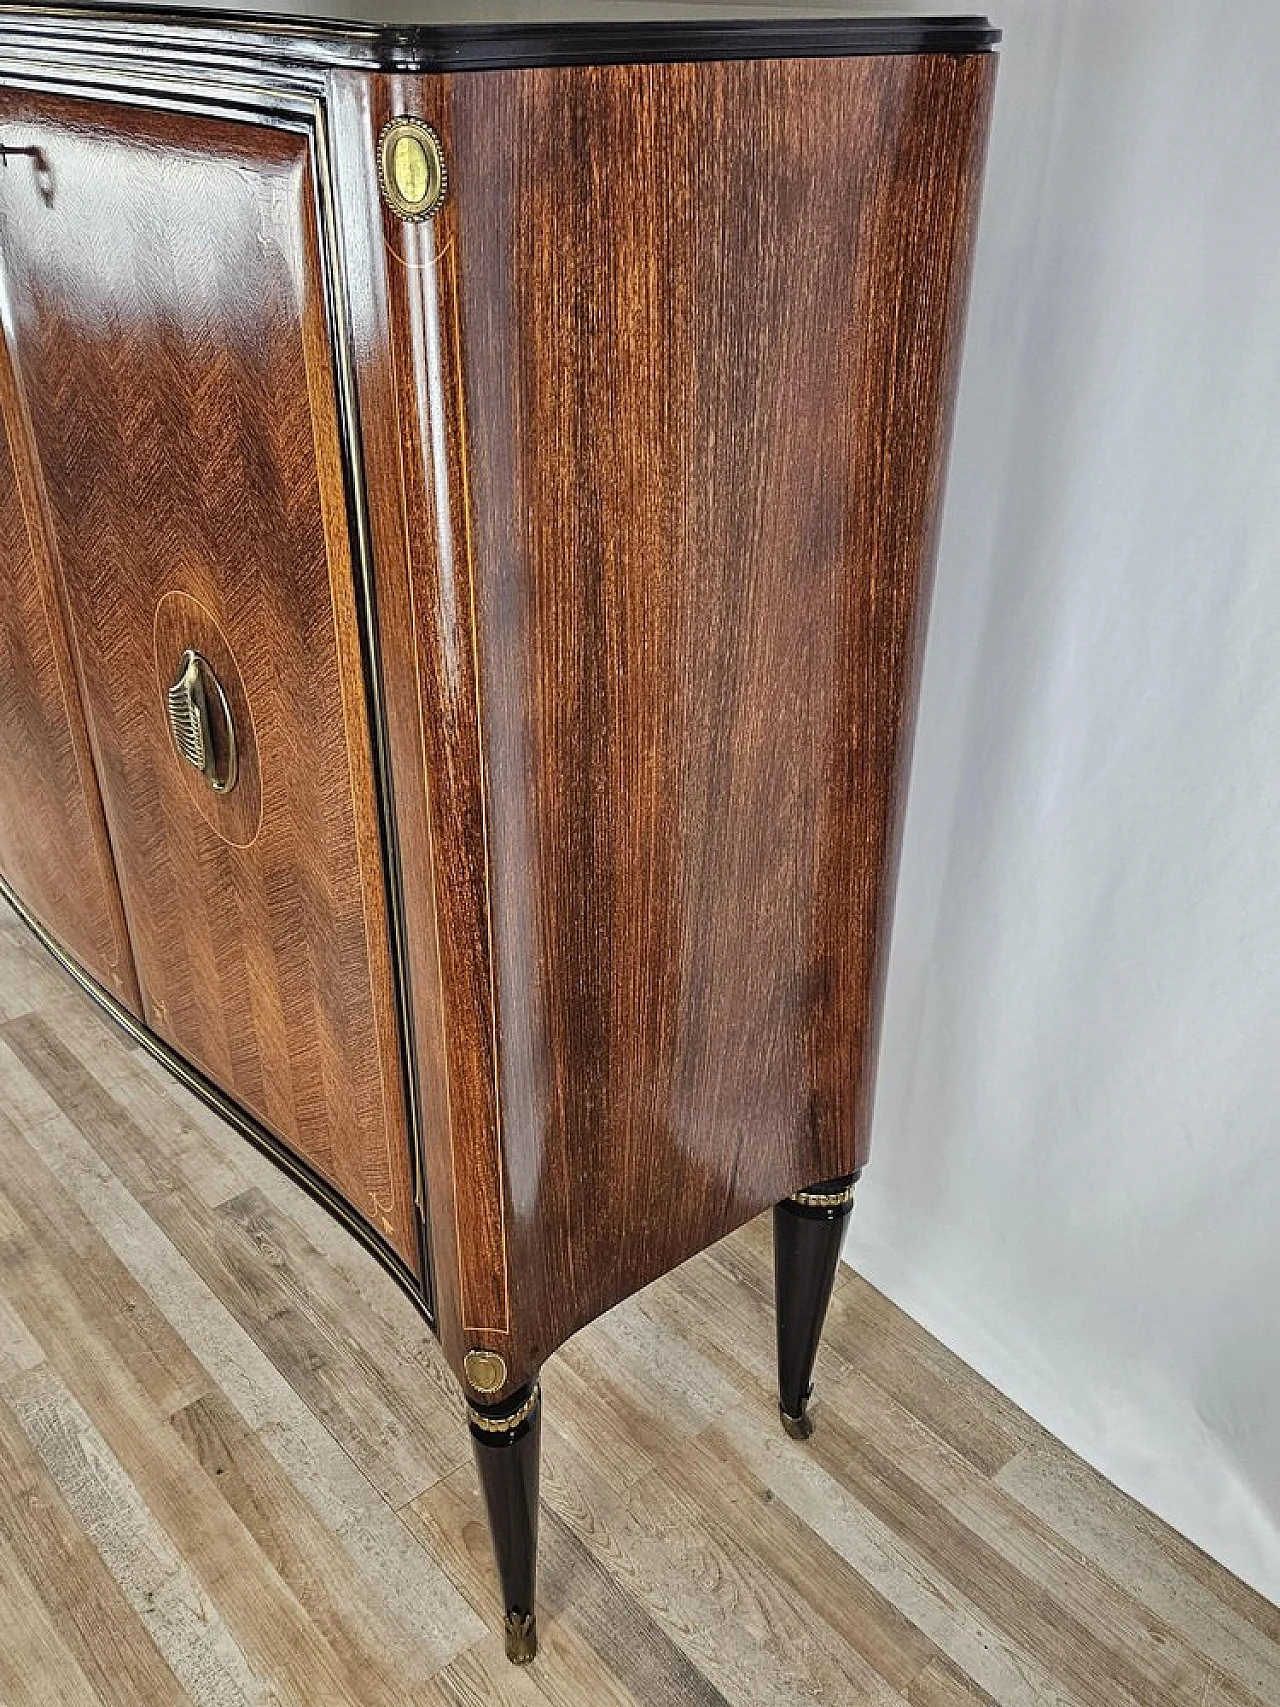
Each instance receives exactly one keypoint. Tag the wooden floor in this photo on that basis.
(234, 1470)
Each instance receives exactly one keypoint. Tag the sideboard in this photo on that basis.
(467, 506)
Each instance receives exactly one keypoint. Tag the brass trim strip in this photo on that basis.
(824, 1199)
(505, 1425)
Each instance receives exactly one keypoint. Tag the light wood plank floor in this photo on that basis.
(233, 1468)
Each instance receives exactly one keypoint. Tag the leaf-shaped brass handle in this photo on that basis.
(200, 722)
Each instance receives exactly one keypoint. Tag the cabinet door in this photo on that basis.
(53, 842)
(166, 288)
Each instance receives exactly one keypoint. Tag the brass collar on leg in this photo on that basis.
(824, 1199)
(513, 1419)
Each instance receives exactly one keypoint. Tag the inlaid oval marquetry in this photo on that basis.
(206, 512)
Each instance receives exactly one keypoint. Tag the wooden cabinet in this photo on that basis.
(521, 448)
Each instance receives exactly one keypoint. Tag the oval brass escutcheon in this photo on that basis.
(485, 1370)
(411, 168)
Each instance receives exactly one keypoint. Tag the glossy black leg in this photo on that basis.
(508, 1442)
(808, 1231)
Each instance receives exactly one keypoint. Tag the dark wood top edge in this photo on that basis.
(501, 46)
(221, 36)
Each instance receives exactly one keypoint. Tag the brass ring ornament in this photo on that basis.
(825, 1199)
(411, 169)
(200, 722)
(509, 1423)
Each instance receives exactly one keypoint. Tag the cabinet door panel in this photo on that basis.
(53, 842)
(168, 303)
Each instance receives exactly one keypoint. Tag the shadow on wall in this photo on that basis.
(1076, 1177)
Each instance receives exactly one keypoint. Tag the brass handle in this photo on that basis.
(200, 722)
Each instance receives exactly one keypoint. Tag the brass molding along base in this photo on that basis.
(509, 1423)
(228, 1110)
(520, 1632)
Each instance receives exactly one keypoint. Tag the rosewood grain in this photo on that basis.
(169, 326)
(670, 375)
(53, 840)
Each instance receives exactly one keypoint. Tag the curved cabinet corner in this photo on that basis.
(647, 485)
(662, 473)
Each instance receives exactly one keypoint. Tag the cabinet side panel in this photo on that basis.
(168, 303)
(53, 842)
(686, 353)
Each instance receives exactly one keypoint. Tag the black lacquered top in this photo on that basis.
(462, 35)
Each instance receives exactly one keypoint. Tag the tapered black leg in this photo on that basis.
(508, 1445)
(808, 1231)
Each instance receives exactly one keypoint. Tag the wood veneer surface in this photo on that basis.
(53, 840)
(671, 375)
(170, 331)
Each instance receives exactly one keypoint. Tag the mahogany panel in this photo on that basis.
(670, 381)
(53, 840)
(170, 327)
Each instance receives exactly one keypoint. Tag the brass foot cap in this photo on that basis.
(799, 1428)
(521, 1632)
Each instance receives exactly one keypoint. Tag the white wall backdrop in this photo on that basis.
(1076, 1171)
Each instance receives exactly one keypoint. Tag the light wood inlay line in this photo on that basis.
(230, 1467)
